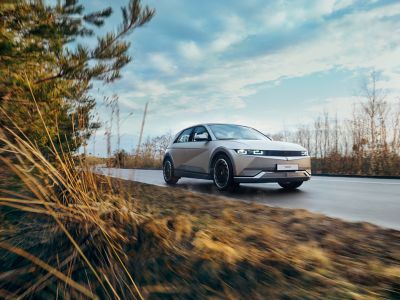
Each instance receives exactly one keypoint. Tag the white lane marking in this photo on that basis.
(357, 181)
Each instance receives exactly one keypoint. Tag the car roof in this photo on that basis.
(207, 124)
(217, 124)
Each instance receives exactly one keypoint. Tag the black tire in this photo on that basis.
(223, 174)
(168, 172)
(292, 185)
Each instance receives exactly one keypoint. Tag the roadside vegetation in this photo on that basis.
(149, 155)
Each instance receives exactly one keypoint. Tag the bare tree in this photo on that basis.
(375, 108)
(366, 143)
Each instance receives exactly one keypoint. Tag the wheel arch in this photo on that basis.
(168, 156)
(221, 151)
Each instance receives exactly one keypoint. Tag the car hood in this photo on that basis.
(263, 145)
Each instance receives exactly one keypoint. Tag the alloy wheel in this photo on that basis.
(167, 170)
(221, 173)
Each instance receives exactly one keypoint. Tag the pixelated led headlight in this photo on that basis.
(241, 151)
(249, 152)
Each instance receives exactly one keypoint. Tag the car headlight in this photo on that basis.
(304, 153)
(241, 151)
(249, 152)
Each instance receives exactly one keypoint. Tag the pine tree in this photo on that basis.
(47, 72)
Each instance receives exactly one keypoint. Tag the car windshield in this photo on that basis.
(236, 132)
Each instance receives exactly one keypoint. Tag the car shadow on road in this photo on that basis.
(272, 193)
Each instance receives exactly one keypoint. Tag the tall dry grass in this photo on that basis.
(61, 233)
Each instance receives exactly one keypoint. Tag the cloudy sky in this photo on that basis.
(269, 64)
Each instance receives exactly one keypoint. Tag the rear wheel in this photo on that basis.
(168, 172)
(290, 185)
(223, 174)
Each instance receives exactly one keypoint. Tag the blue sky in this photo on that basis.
(268, 64)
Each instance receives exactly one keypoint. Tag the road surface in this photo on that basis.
(354, 199)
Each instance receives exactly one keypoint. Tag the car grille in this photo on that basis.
(282, 153)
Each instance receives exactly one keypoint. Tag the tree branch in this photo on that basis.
(59, 75)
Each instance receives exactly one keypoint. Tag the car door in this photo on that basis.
(200, 142)
(180, 150)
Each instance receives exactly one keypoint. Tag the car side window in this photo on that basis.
(184, 136)
(200, 133)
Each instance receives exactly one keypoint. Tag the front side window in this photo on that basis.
(236, 132)
(200, 134)
(184, 136)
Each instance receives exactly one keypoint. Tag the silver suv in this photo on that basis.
(230, 154)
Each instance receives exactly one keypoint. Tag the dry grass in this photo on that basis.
(60, 230)
(135, 161)
(252, 251)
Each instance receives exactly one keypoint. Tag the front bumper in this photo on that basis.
(266, 176)
(253, 168)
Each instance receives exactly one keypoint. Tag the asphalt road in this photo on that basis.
(354, 199)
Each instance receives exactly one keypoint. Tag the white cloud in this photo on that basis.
(342, 106)
(127, 101)
(235, 31)
(161, 62)
(190, 50)
(143, 90)
(340, 4)
(277, 19)
(284, 14)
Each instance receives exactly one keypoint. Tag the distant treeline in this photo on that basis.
(148, 156)
(367, 143)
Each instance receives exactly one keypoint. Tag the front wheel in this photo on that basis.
(223, 174)
(168, 172)
(290, 185)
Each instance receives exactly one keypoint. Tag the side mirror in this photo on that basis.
(202, 137)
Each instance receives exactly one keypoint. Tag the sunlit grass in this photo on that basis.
(66, 191)
(69, 194)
